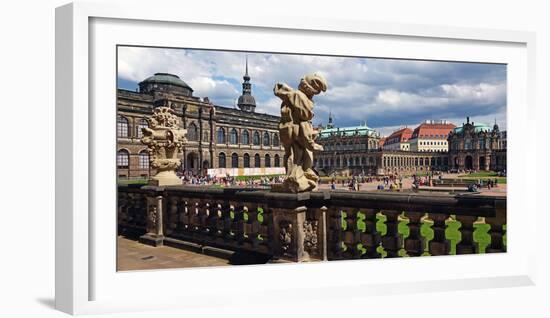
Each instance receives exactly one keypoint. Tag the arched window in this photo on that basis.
(246, 160)
(246, 138)
(221, 135)
(256, 139)
(122, 127)
(192, 132)
(267, 140)
(233, 137)
(277, 161)
(122, 159)
(205, 136)
(144, 160)
(267, 160)
(275, 140)
(142, 123)
(257, 161)
(234, 160)
(221, 160)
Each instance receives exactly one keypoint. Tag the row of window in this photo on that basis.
(222, 160)
(349, 162)
(432, 143)
(123, 159)
(267, 140)
(400, 161)
(388, 161)
(123, 127)
(350, 146)
(469, 144)
(123, 131)
(430, 136)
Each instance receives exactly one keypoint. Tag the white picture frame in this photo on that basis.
(85, 282)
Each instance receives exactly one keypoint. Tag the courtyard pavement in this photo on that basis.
(132, 255)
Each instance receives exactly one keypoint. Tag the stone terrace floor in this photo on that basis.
(132, 255)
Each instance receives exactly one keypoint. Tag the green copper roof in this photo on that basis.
(166, 78)
(348, 131)
(478, 127)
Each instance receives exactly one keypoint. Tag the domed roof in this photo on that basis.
(478, 127)
(247, 100)
(166, 78)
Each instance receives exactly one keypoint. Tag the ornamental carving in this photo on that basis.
(165, 141)
(285, 235)
(310, 237)
(297, 134)
(152, 218)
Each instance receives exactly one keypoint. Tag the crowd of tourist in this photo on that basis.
(230, 181)
(391, 182)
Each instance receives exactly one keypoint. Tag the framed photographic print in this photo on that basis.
(273, 155)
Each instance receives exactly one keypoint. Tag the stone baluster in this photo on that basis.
(370, 238)
(202, 216)
(334, 239)
(253, 226)
(219, 221)
(227, 210)
(266, 230)
(392, 241)
(496, 232)
(414, 243)
(212, 220)
(194, 217)
(238, 222)
(171, 215)
(466, 244)
(439, 245)
(351, 235)
(185, 217)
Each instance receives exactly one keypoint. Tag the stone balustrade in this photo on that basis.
(331, 225)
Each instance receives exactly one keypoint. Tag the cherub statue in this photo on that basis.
(296, 132)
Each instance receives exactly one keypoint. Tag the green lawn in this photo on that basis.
(132, 181)
(482, 175)
(245, 178)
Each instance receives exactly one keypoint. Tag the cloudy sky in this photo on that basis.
(386, 93)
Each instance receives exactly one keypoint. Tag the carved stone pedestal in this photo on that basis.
(152, 239)
(155, 232)
(297, 229)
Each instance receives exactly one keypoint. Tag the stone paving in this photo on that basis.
(132, 255)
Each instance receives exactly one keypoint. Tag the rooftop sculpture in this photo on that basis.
(297, 134)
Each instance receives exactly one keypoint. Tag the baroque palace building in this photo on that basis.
(442, 147)
(476, 146)
(218, 137)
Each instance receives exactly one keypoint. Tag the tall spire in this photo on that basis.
(246, 67)
(330, 124)
(246, 100)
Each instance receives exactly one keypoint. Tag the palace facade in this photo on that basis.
(477, 147)
(441, 146)
(218, 136)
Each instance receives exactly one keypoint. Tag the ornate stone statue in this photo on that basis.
(297, 134)
(164, 140)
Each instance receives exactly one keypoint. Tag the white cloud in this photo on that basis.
(358, 89)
